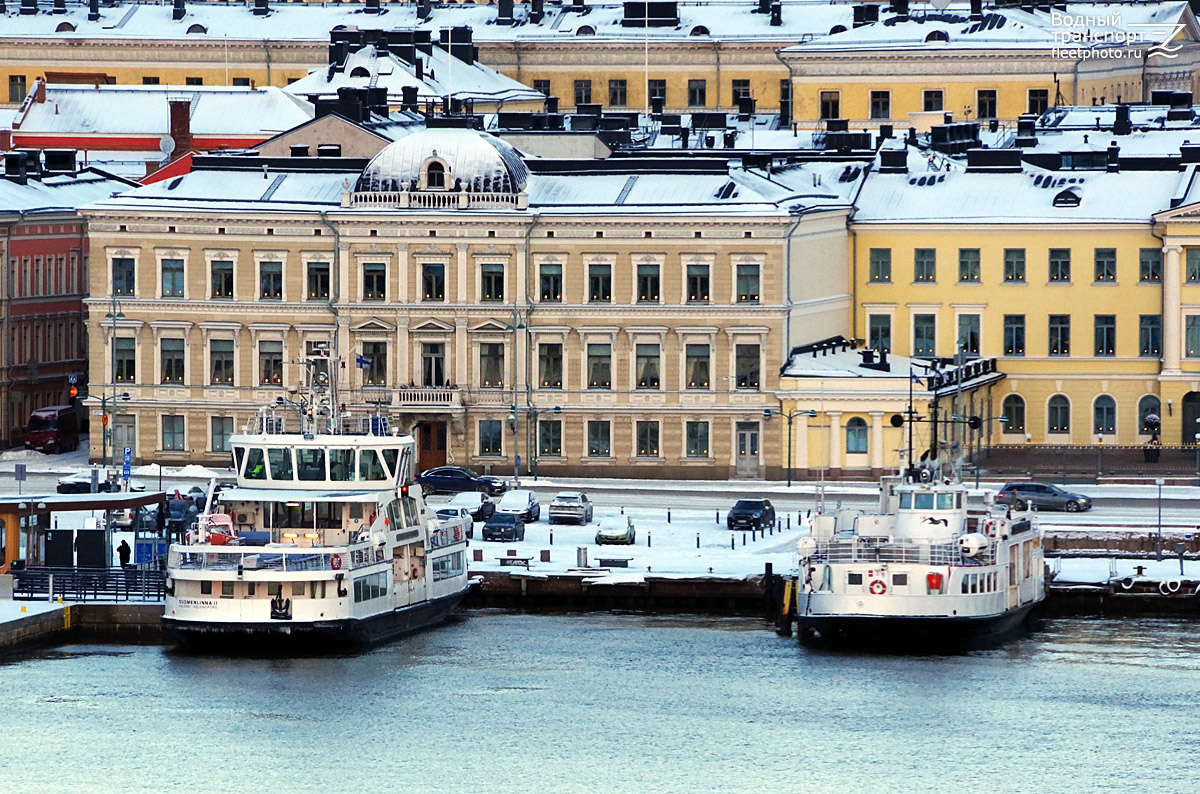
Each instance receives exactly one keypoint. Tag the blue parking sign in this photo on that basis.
(127, 463)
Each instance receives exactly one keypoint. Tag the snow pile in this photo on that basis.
(193, 470)
(23, 454)
(149, 470)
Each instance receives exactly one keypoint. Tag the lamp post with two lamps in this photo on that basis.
(534, 412)
(790, 415)
(518, 321)
(114, 314)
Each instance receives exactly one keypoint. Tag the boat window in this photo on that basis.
(924, 501)
(227, 589)
(945, 501)
(411, 512)
(854, 578)
(205, 588)
(905, 500)
(273, 588)
(281, 463)
(899, 579)
(369, 467)
(310, 464)
(965, 583)
(391, 457)
(255, 466)
(341, 465)
(239, 455)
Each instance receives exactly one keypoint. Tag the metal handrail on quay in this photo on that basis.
(44, 583)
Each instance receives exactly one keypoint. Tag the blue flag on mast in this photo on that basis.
(362, 362)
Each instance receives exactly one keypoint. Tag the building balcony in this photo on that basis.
(439, 200)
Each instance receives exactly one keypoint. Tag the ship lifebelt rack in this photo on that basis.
(877, 587)
(335, 562)
(989, 527)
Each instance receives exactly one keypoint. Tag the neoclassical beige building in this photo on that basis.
(624, 317)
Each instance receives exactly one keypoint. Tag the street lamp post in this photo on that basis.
(516, 323)
(790, 416)
(114, 314)
(534, 412)
(1158, 544)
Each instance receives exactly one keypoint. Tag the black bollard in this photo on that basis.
(552, 536)
(789, 522)
(743, 538)
(647, 538)
(668, 515)
(732, 542)
(717, 516)
(697, 540)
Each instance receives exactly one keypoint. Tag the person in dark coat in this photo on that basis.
(123, 552)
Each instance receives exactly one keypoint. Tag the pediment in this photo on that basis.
(373, 325)
(490, 327)
(1184, 212)
(431, 326)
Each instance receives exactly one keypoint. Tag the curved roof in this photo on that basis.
(478, 162)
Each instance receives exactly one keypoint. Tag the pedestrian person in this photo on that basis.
(123, 552)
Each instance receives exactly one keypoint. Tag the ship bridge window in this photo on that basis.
(341, 465)
(923, 501)
(255, 465)
(906, 500)
(391, 457)
(369, 466)
(239, 457)
(945, 501)
(281, 463)
(310, 464)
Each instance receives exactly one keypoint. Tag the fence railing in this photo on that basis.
(1078, 460)
(867, 550)
(89, 584)
(256, 559)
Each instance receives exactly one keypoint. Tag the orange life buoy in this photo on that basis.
(989, 528)
(934, 581)
(335, 562)
(878, 587)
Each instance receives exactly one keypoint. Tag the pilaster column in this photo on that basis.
(876, 439)
(1171, 320)
(835, 439)
(463, 281)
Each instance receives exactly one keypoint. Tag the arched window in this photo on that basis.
(938, 35)
(1058, 415)
(856, 436)
(836, 29)
(360, 71)
(1149, 416)
(1013, 409)
(435, 176)
(699, 30)
(1104, 415)
(64, 27)
(197, 29)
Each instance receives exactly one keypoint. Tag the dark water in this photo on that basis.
(608, 703)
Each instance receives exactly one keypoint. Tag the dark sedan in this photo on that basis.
(751, 514)
(1023, 495)
(504, 526)
(452, 479)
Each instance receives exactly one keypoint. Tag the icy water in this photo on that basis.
(611, 703)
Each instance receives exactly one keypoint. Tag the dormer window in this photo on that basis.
(435, 176)
(1068, 198)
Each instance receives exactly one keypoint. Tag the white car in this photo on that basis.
(616, 529)
(458, 514)
(572, 506)
(480, 505)
(522, 503)
(81, 482)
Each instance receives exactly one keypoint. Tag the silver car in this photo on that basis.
(572, 507)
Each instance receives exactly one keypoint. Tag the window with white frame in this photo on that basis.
(172, 278)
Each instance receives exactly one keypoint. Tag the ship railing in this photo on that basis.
(875, 550)
(255, 558)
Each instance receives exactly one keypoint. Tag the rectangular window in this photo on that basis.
(880, 269)
(656, 89)
(433, 282)
(221, 277)
(1191, 335)
(491, 365)
(1014, 334)
(831, 104)
(697, 283)
(550, 364)
(599, 283)
(925, 265)
(583, 92)
(931, 100)
(491, 437)
(374, 281)
(125, 359)
(697, 93)
(647, 366)
(648, 283)
(241, 82)
(747, 366)
(968, 264)
(881, 104)
(376, 355)
(222, 429)
(599, 439)
(550, 277)
(122, 269)
(1150, 335)
(1060, 264)
(270, 362)
(543, 86)
(924, 335)
(1150, 265)
(1193, 265)
(318, 281)
(193, 81)
(173, 433)
(599, 366)
(697, 439)
(550, 437)
(1039, 100)
(968, 334)
(150, 81)
(697, 366)
(879, 332)
(270, 280)
(985, 103)
(1014, 265)
(1060, 335)
(740, 90)
(433, 364)
(171, 351)
(172, 278)
(617, 93)
(1106, 264)
(747, 284)
(647, 439)
(220, 362)
(16, 88)
(491, 282)
(1105, 335)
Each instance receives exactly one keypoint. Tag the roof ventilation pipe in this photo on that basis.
(93, 10)
(504, 12)
(776, 14)
(178, 12)
(536, 11)
(261, 8)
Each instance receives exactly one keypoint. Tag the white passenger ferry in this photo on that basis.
(924, 573)
(325, 540)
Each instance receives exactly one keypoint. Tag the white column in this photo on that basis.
(405, 275)
(800, 442)
(461, 352)
(1171, 316)
(835, 439)
(876, 439)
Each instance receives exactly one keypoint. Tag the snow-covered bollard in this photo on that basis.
(697, 540)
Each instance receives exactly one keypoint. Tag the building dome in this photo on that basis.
(445, 159)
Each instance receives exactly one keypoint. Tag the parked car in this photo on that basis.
(81, 482)
(523, 503)
(751, 514)
(462, 514)
(616, 530)
(504, 526)
(571, 506)
(453, 479)
(1022, 495)
(54, 429)
(125, 519)
(480, 505)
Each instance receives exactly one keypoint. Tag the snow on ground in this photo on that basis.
(1098, 570)
(24, 455)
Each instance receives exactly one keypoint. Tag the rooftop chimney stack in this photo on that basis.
(370, 6)
(1113, 161)
(776, 13)
(261, 8)
(28, 8)
(1122, 124)
(178, 12)
(976, 10)
(764, 7)
(15, 168)
(504, 12)
(181, 126)
(93, 10)
(60, 7)
(424, 8)
(537, 11)
(900, 8)
(408, 98)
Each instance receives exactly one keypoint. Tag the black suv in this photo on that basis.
(751, 513)
(452, 479)
(504, 526)
(1022, 495)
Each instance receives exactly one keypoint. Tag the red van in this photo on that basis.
(53, 429)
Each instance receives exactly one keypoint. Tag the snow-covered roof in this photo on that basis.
(837, 358)
(723, 19)
(57, 193)
(476, 160)
(1098, 25)
(1150, 143)
(1090, 116)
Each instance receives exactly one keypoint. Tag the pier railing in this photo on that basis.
(89, 584)
(868, 550)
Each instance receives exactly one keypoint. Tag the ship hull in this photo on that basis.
(914, 634)
(325, 636)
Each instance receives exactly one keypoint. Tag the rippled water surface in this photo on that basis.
(611, 703)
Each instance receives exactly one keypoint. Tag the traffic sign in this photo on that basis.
(72, 379)
(19, 472)
(127, 463)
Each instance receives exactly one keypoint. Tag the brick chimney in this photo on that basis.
(39, 92)
(181, 127)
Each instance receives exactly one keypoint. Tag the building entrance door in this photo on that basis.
(747, 449)
(124, 435)
(431, 436)
(1191, 417)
